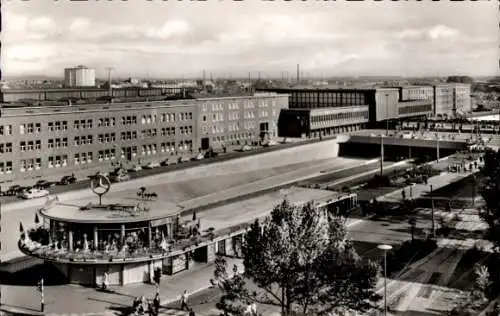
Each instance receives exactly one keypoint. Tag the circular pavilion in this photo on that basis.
(126, 238)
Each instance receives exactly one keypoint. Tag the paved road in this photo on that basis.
(84, 183)
(183, 188)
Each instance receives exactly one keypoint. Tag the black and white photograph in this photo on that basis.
(250, 158)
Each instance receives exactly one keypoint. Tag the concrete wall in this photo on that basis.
(408, 142)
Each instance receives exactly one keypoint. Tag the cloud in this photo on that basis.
(340, 39)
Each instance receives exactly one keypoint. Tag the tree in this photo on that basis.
(489, 191)
(413, 224)
(300, 260)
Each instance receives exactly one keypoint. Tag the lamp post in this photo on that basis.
(381, 154)
(437, 147)
(385, 249)
(432, 214)
(387, 113)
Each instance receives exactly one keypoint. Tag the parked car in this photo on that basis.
(164, 162)
(120, 177)
(13, 190)
(211, 154)
(246, 148)
(44, 184)
(67, 180)
(152, 165)
(34, 193)
(135, 168)
(200, 156)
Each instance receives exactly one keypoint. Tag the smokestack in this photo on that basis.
(249, 77)
(259, 76)
(110, 91)
(204, 76)
(298, 73)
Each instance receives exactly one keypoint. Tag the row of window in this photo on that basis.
(30, 164)
(415, 109)
(326, 98)
(58, 142)
(5, 148)
(339, 116)
(30, 128)
(106, 138)
(30, 145)
(83, 158)
(83, 140)
(5, 167)
(249, 125)
(5, 130)
(106, 122)
(58, 126)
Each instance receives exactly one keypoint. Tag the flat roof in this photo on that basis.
(250, 209)
(114, 210)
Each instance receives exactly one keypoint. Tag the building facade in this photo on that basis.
(410, 93)
(306, 123)
(36, 142)
(79, 76)
(16, 95)
(462, 99)
(348, 109)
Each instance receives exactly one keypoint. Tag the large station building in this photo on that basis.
(37, 141)
(319, 112)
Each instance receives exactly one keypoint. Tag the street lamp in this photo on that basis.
(385, 249)
(432, 214)
(381, 154)
(387, 113)
(437, 147)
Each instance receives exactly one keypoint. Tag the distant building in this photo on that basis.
(452, 99)
(79, 76)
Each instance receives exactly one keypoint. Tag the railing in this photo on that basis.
(48, 252)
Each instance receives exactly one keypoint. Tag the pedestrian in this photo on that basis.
(184, 298)
(105, 281)
(191, 312)
(156, 303)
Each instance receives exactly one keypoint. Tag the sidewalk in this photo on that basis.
(78, 300)
(420, 190)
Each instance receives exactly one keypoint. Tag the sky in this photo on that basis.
(167, 39)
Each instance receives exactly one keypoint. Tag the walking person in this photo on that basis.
(184, 298)
(156, 304)
(191, 312)
(105, 281)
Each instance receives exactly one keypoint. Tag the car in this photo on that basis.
(164, 162)
(13, 190)
(135, 168)
(211, 154)
(120, 176)
(34, 193)
(152, 165)
(67, 180)
(246, 148)
(44, 184)
(200, 156)
(182, 159)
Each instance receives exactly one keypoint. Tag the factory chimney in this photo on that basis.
(298, 73)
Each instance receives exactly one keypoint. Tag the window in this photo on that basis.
(38, 145)
(23, 146)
